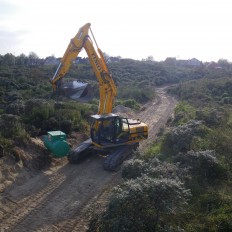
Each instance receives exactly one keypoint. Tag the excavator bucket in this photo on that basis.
(76, 90)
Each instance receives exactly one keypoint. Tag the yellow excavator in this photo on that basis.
(112, 136)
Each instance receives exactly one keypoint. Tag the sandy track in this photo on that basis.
(156, 114)
(64, 197)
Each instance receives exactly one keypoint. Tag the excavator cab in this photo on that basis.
(110, 130)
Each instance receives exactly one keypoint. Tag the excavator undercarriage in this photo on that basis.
(113, 156)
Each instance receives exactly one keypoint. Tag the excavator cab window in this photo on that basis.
(122, 130)
(112, 130)
(102, 129)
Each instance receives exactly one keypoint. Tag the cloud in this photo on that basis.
(7, 9)
(11, 40)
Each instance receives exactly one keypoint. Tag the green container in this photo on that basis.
(55, 142)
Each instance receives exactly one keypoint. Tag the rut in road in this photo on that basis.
(65, 198)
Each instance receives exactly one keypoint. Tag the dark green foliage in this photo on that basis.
(202, 165)
(139, 94)
(16, 108)
(131, 103)
(37, 111)
(66, 126)
(220, 218)
(144, 204)
(11, 126)
(134, 168)
(205, 91)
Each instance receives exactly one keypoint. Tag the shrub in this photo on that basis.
(16, 108)
(202, 165)
(183, 113)
(133, 168)
(211, 116)
(154, 168)
(179, 139)
(131, 103)
(10, 126)
(37, 110)
(143, 204)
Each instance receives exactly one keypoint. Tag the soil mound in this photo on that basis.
(123, 111)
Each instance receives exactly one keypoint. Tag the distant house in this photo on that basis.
(170, 61)
(113, 59)
(51, 60)
(213, 65)
(182, 62)
(191, 62)
(194, 62)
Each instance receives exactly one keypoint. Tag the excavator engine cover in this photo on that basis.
(76, 90)
(55, 142)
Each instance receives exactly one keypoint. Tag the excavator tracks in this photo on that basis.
(117, 156)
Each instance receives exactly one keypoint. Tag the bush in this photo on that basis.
(139, 94)
(16, 108)
(131, 103)
(202, 165)
(211, 116)
(133, 168)
(143, 204)
(183, 113)
(154, 168)
(37, 111)
(180, 138)
(10, 126)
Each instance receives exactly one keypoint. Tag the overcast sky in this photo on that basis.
(128, 28)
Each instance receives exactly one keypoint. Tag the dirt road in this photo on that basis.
(63, 197)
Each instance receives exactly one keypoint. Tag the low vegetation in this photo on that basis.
(182, 182)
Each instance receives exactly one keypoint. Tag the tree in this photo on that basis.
(33, 58)
(8, 59)
(150, 58)
(223, 63)
(21, 59)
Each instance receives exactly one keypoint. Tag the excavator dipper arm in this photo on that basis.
(107, 87)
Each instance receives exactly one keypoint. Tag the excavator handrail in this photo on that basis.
(107, 88)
